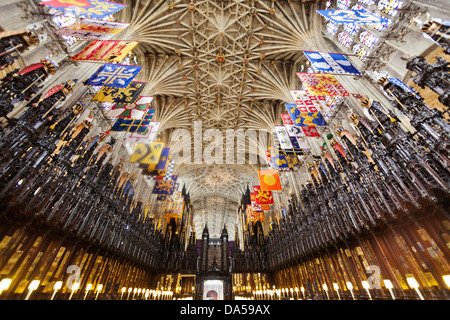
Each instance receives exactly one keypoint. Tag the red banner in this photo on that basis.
(52, 91)
(31, 67)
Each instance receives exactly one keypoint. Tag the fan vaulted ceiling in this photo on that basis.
(229, 64)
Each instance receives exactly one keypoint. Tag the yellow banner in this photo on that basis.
(120, 95)
(147, 154)
(105, 51)
(320, 84)
(174, 209)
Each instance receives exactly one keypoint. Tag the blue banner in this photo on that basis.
(352, 16)
(114, 75)
(294, 113)
(331, 62)
(165, 187)
(305, 119)
(139, 126)
(401, 84)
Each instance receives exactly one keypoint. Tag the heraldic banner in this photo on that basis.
(96, 9)
(92, 29)
(114, 75)
(105, 51)
(120, 95)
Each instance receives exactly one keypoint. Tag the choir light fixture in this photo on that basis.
(33, 286)
(415, 285)
(389, 286)
(4, 284)
(366, 286)
(325, 287)
(99, 289)
(75, 287)
(336, 287)
(88, 288)
(446, 280)
(56, 287)
(350, 287)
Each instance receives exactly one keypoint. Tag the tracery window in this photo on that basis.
(360, 50)
(332, 28)
(358, 7)
(368, 39)
(368, 2)
(390, 6)
(64, 20)
(343, 4)
(351, 29)
(345, 39)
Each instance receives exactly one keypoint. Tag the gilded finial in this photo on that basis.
(78, 109)
(383, 81)
(87, 124)
(354, 118)
(366, 103)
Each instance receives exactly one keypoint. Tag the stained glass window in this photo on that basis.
(332, 28)
(345, 39)
(343, 4)
(351, 29)
(356, 48)
(390, 6)
(369, 2)
(368, 39)
(351, 32)
(63, 20)
(360, 51)
(357, 7)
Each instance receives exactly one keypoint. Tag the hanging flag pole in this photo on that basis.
(71, 121)
(356, 55)
(392, 95)
(38, 79)
(376, 118)
(54, 105)
(14, 48)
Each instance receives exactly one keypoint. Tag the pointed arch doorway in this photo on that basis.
(213, 290)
